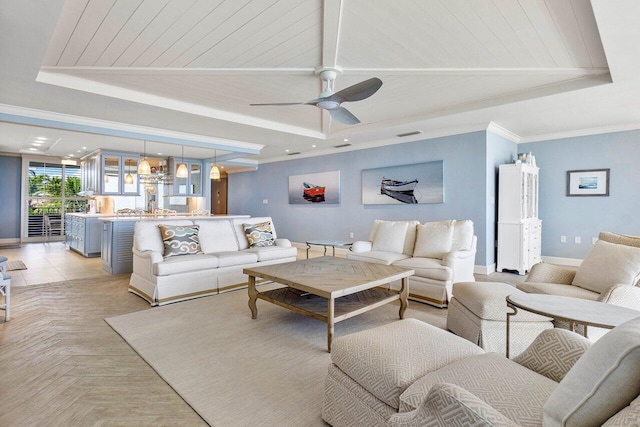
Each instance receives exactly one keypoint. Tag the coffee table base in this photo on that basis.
(328, 310)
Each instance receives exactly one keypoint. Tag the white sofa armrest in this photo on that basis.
(451, 405)
(462, 263)
(143, 262)
(361, 246)
(283, 243)
(622, 295)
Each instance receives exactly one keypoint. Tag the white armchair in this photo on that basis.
(610, 273)
(441, 253)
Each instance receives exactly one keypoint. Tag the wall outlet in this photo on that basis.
(577, 239)
(351, 234)
(265, 201)
(594, 240)
(563, 239)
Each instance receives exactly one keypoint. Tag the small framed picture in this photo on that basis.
(588, 182)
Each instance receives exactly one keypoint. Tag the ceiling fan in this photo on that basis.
(331, 101)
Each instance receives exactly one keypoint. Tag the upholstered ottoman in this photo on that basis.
(371, 369)
(478, 312)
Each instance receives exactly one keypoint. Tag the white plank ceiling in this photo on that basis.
(436, 58)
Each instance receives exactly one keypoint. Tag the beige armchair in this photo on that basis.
(610, 273)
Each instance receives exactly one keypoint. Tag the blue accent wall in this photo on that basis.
(10, 171)
(587, 216)
(464, 181)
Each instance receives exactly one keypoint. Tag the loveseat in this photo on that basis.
(610, 273)
(441, 253)
(201, 257)
(409, 373)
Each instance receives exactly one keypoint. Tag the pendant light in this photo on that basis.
(182, 171)
(128, 179)
(214, 173)
(144, 168)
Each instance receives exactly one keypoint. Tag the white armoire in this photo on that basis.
(519, 228)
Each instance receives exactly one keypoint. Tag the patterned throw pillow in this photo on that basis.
(180, 239)
(259, 235)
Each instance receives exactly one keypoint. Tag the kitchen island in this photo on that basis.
(117, 238)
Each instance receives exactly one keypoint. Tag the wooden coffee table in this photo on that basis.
(329, 289)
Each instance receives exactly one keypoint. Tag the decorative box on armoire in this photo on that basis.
(519, 228)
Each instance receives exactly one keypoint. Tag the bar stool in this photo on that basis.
(5, 290)
(3, 264)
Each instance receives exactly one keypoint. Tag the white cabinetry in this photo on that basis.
(519, 228)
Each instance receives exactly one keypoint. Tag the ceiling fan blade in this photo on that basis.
(278, 103)
(358, 91)
(343, 115)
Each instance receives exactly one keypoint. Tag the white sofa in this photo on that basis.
(165, 279)
(441, 253)
(408, 373)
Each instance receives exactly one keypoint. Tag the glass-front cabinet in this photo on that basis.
(109, 173)
(192, 184)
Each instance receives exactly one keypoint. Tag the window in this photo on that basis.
(52, 189)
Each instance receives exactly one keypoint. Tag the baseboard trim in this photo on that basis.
(484, 269)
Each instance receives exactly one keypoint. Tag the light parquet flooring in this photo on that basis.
(61, 364)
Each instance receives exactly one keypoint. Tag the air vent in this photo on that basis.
(293, 154)
(402, 135)
(341, 145)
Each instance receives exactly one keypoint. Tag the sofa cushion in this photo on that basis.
(390, 236)
(601, 383)
(216, 236)
(229, 258)
(462, 239)
(487, 300)
(238, 229)
(269, 253)
(180, 239)
(378, 257)
(427, 267)
(387, 359)
(608, 264)
(513, 390)
(410, 238)
(433, 239)
(184, 264)
(147, 236)
(557, 289)
(259, 235)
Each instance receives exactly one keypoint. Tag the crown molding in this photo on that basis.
(581, 132)
(503, 132)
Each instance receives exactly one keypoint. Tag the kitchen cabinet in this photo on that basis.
(83, 234)
(106, 173)
(519, 228)
(192, 184)
(117, 244)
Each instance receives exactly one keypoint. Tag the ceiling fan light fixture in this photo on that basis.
(328, 105)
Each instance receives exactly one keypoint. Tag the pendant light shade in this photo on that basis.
(144, 168)
(181, 171)
(128, 179)
(214, 173)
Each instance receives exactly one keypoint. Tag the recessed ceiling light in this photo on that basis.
(313, 146)
(37, 144)
(287, 150)
(346, 140)
(42, 138)
(33, 149)
(159, 154)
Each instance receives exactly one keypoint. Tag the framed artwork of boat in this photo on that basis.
(404, 185)
(315, 188)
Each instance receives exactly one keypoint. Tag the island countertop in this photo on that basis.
(151, 217)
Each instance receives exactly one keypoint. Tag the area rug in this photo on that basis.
(237, 371)
(15, 265)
